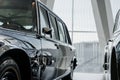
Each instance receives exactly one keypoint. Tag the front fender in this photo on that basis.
(20, 57)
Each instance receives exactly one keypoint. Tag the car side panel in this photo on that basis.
(50, 47)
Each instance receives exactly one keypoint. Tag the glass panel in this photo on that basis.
(18, 16)
(61, 31)
(67, 35)
(90, 58)
(83, 16)
(53, 27)
(43, 19)
(84, 37)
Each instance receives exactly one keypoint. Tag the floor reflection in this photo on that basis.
(88, 76)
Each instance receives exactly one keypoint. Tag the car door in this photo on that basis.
(65, 49)
(49, 45)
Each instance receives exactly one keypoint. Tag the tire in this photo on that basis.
(9, 70)
(114, 68)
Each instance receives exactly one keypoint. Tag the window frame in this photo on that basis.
(57, 33)
(47, 13)
(58, 19)
(67, 36)
(66, 33)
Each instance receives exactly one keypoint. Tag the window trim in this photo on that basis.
(52, 15)
(49, 12)
(40, 28)
(58, 19)
(67, 36)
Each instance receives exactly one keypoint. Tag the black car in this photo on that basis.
(112, 53)
(34, 43)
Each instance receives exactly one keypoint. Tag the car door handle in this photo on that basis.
(57, 45)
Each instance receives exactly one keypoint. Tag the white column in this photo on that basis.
(49, 3)
(104, 20)
(44, 1)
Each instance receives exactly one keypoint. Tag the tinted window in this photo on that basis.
(61, 31)
(43, 18)
(17, 15)
(53, 27)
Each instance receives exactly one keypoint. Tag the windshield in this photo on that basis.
(18, 15)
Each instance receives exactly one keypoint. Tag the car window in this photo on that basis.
(43, 19)
(53, 27)
(68, 40)
(118, 47)
(117, 22)
(61, 31)
(18, 17)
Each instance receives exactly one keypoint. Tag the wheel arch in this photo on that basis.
(22, 60)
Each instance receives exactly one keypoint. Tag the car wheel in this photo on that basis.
(114, 68)
(9, 70)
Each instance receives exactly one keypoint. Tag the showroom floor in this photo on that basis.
(88, 76)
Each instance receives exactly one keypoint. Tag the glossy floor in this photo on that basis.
(88, 76)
